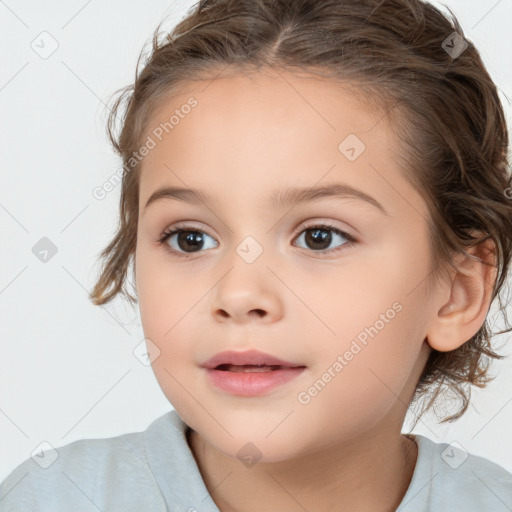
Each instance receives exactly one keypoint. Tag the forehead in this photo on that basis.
(266, 131)
(267, 101)
(282, 97)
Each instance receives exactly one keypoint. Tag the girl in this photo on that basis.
(317, 207)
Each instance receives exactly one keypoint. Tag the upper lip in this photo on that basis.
(249, 357)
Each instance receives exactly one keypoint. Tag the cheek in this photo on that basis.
(167, 310)
(354, 297)
(165, 300)
(375, 313)
(357, 382)
(174, 308)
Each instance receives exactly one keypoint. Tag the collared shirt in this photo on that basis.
(155, 471)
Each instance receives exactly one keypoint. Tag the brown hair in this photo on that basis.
(402, 55)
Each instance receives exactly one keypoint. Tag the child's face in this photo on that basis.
(299, 299)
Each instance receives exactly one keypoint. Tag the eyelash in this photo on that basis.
(165, 235)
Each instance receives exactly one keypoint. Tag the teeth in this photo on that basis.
(248, 368)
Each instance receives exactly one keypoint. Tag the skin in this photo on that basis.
(248, 137)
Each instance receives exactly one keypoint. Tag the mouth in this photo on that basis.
(251, 373)
(249, 360)
(252, 368)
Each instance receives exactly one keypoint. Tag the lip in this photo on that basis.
(248, 357)
(250, 383)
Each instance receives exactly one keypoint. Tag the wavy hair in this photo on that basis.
(404, 56)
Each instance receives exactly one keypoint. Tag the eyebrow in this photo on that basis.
(279, 199)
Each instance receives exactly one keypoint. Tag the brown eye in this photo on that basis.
(185, 240)
(319, 238)
(190, 240)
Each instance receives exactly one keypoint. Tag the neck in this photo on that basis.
(372, 472)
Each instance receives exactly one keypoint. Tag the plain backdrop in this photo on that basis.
(67, 367)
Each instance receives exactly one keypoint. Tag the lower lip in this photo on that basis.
(251, 383)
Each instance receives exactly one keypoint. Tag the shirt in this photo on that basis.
(155, 471)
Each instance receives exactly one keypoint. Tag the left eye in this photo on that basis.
(320, 237)
(189, 240)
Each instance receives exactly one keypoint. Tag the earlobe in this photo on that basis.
(460, 318)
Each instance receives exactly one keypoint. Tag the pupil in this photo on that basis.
(192, 238)
(319, 236)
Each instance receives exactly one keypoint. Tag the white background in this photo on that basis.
(67, 369)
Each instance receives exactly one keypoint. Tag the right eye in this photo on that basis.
(187, 240)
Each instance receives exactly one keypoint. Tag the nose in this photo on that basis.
(256, 313)
(247, 293)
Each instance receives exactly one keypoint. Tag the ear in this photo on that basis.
(470, 289)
